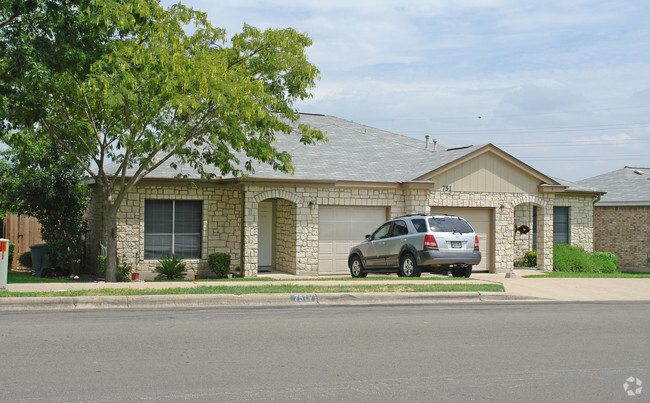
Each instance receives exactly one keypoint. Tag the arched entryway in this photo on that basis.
(276, 239)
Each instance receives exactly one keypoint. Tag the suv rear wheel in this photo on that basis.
(408, 267)
(356, 268)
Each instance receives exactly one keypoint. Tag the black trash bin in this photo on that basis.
(40, 261)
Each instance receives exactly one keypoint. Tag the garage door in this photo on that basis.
(480, 220)
(340, 228)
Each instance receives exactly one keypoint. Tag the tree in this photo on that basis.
(39, 38)
(36, 180)
(157, 92)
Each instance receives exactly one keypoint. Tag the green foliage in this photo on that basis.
(529, 260)
(567, 258)
(36, 178)
(123, 270)
(12, 247)
(220, 264)
(144, 89)
(170, 268)
(25, 259)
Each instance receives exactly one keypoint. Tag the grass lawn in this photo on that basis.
(268, 289)
(18, 277)
(618, 274)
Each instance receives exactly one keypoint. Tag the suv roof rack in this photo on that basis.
(413, 215)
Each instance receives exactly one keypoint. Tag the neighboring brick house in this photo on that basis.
(305, 223)
(622, 215)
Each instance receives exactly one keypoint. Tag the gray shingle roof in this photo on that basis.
(354, 152)
(627, 186)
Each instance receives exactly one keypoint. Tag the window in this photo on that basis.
(172, 226)
(382, 232)
(449, 224)
(399, 228)
(534, 229)
(560, 225)
(420, 225)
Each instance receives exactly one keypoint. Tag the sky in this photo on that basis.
(564, 86)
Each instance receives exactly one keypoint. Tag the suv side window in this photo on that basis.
(399, 228)
(419, 224)
(382, 232)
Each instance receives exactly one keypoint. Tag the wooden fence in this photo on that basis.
(22, 230)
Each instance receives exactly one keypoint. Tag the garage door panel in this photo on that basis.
(340, 228)
(480, 220)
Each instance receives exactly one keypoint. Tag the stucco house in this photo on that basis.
(305, 223)
(622, 215)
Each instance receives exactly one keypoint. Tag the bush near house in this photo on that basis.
(123, 270)
(25, 259)
(529, 260)
(567, 258)
(170, 268)
(220, 264)
(12, 247)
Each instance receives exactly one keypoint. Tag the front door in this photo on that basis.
(265, 235)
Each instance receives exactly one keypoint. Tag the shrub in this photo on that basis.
(123, 273)
(12, 247)
(529, 260)
(170, 268)
(569, 258)
(25, 259)
(220, 264)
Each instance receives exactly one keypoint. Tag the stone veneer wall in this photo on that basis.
(523, 242)
(221, 227)
(624, 230)
(231, 220)
(285, 234)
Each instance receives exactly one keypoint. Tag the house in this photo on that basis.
(305, 223)
(622, 215)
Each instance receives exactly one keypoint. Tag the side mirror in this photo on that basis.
(368, 238)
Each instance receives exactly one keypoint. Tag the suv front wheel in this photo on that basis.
(356, 268)
(408, 267)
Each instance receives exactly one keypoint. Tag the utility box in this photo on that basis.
(4, 263)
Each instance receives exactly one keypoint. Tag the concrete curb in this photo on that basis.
(217, 300)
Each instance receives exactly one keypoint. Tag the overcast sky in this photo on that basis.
(563, 85)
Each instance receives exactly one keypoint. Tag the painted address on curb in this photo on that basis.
(303, 297)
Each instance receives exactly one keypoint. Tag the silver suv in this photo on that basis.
(412, 244)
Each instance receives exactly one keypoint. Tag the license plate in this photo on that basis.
(456, 244)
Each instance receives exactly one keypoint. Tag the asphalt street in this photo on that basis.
(551, 351)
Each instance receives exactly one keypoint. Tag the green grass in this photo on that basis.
(268, 289)
(618, 274)
(19, 277)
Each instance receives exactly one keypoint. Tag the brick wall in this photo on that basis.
(624, 231)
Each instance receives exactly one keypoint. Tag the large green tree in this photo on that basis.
(39, 179)
(167, 84)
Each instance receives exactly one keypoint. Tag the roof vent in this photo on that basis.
(426, 142)
(638, 172)
(435, 144)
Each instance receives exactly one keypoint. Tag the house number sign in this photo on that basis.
(303, 298)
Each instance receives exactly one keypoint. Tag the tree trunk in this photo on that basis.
(109, 236)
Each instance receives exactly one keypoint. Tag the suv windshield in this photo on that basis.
(449, 224)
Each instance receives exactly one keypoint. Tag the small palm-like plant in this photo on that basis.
(170, 268)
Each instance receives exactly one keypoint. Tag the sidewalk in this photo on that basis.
(516, 289)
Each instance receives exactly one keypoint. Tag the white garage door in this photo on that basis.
(340, 228)
(480, 220)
